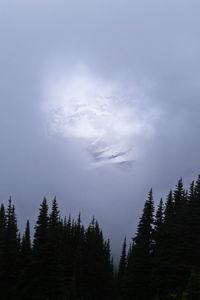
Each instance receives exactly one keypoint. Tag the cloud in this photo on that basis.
(107, 117)
(137, 93)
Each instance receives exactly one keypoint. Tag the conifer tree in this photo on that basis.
(11, 258)
(194, 224)
(2, 220)
(140, 262)
(159, 218)
(54, 218)
(98, 266)
(178, 197)
(41, 230)
(25, 272)
(180, 246)
(157, 240)
(26, 243)
(38, 286)
(122, 270)
(170, 266)
(2, 249)
(2, 231)
(169, 212)
(55, 275)
(67, 251)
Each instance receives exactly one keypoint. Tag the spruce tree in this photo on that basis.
(180, 243)
(122, 270)
(157, 240)
(26, 243)
(159, 218)
(2, 250)
(98, 265)
(55, 275)
(194, 224)
(25, 273)
(11, 258)
(67, 251)
(178, 197)
(38, 286)
(140, 262)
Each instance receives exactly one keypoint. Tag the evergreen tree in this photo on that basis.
(122, 270)
(98, 266)
(178, 197)
(11, 257)
(2, 250)
(41, 230)
(54, 218)
(157, 239)
(55, 275)
(26, 244)
(140, 262)
(159, 218)
(194, 224)
(169, 212)
(38, 286)
(24, 276)
(67, 251)
(180, 244)
(170, 260)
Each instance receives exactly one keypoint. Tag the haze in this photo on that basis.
(141, 59)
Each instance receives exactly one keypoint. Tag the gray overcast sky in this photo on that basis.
(150, 49)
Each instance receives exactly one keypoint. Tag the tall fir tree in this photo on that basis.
(98, 265)
(26, 243)
(67, 251)
(12, 248)
(2, 251)
(25, 274)
(140, 261)
(122, 270)
(157, 240)
(194, 224)
(38, 286)
(55, 274)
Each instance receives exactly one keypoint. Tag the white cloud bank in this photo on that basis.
(110, 119)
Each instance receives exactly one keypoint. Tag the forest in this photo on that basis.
(64, 260)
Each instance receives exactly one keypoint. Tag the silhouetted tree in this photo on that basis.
(122, 270)
(140, 261)
(11, 254)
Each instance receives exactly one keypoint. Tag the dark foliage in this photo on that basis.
(163, 261)
(66, 261)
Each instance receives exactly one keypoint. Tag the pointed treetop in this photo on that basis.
(159, 215)
(169, 207)
(191, 191)
(54, 216)
(79, 220)
(123, 262)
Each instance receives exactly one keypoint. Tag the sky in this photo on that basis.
(99, 102)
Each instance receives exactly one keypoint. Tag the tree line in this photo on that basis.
(163, 260)
(66, 261)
